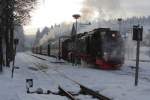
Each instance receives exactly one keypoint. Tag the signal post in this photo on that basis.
(137, 36)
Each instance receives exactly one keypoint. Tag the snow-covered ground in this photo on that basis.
(116, 84)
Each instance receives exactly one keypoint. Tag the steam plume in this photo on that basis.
(106, 9)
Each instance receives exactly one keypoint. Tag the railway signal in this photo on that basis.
(137, 36)
(137, 33)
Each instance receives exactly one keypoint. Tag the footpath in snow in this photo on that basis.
(116, 84)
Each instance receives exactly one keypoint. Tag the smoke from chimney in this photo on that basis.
(106, 9)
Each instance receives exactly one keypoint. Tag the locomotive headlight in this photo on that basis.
(113, 35)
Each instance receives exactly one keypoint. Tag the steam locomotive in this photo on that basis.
(102, 47)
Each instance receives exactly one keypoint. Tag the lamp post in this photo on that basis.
(76, 17)
(119, 22)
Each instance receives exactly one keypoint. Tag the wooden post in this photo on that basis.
(48, 49)
(40, 49)
(59, 49)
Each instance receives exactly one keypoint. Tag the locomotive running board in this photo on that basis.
(86, 90)
(65, 93)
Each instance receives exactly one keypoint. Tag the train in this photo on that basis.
(101, 47)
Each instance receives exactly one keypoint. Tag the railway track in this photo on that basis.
(38, 57)
(45, 59)
(72, 96)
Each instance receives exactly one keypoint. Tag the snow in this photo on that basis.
(116, 84)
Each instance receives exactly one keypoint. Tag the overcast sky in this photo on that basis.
(57, 11)
(136, 7)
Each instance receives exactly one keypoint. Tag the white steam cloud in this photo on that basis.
(106, 9)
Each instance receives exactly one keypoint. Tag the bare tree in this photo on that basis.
(22, 9)
(13, 12)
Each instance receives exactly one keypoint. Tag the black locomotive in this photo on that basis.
(102, 47)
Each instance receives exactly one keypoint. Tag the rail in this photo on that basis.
(83, 89)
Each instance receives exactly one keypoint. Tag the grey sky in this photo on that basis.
(136, 7)
(116, 8)
(106, 9)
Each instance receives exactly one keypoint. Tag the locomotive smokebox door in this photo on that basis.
(137, 33)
